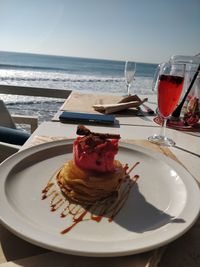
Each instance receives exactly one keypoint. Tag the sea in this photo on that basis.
(100, 76)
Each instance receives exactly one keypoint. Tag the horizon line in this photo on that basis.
(58, 55)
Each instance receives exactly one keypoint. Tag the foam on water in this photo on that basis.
(45, 109)
(80, 82)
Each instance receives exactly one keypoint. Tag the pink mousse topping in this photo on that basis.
(93, 153)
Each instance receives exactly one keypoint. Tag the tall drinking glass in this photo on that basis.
(169, 87)
(129, 73)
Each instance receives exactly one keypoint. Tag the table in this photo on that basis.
(187, 148)
(187, 151)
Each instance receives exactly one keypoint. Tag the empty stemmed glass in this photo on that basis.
(129, 73)
(169, 87)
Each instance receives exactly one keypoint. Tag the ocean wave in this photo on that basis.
(34, 101)
(45, 108)
(83, 83)
(84, 79)
(27, 75)
(30, 67)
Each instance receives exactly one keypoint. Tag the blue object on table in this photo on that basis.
(74, 117)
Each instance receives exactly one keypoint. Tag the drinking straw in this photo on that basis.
(177, 111)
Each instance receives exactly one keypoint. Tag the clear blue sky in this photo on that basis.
(140, 30)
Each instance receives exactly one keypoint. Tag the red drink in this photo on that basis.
(169, 91)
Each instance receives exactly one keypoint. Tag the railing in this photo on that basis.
(34, 91)
(30, 91)
(9, 149)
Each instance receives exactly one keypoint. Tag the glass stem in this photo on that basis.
(163, 128)
(128, 89)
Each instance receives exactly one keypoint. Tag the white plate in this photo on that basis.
(162, 206)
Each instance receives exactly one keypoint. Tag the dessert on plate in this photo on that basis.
(93, 174)
(92, 185)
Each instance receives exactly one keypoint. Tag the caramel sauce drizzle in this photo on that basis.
(107, 208)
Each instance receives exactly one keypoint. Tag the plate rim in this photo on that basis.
(6, 165)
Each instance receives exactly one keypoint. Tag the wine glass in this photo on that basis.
(129, 73)
(169, 87)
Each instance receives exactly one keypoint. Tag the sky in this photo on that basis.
(140, 30)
